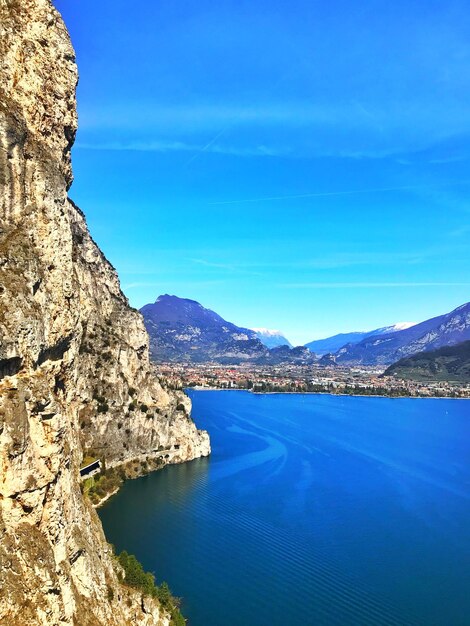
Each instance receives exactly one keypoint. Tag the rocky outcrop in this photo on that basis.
(74, 367)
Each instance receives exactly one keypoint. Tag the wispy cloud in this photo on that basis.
(351, 259)
(334, 261)
(247, 259)
(368, 285)
(461, 231)
(181, 146)
(208, 145)
(342, 127)
(270, 110)
(349, 192)
(452, 159)
(205, 263)
(251, 148)
(239, 268)
(235, 119)
(138, 146)
(203, 117)
(171, 285)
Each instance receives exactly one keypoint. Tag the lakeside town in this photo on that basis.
(355, 380)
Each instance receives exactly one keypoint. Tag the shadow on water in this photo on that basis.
(131, 517)
(148, 492)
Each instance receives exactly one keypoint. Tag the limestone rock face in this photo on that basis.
(74, 367)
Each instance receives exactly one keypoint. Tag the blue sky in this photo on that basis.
(302, 165)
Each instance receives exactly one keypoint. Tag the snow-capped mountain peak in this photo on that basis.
(269, 332)
(271, 338)
(395, 327)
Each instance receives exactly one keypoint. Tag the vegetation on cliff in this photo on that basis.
(108, 480)
(135, 576)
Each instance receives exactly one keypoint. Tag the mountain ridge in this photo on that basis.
(183, 330)
(439, 331)
(335, 342)
(449, 363)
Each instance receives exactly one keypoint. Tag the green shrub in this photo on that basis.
(99, 487)
(135, 576)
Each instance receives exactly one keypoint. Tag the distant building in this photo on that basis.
(91, 469)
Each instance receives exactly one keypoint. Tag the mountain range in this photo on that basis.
(182, 330)
(450, 363)
(444, 330)
(334, 343)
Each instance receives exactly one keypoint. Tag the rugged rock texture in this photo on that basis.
(73, 355)
(444, 330)
(451, 363)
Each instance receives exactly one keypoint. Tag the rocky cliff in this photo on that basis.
(74, 368)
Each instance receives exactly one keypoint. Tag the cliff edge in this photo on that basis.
(75, 376)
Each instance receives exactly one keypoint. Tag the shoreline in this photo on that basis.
(106, 498)
(327, 393)
(124, 480)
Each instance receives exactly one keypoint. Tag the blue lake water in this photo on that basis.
(312, 510)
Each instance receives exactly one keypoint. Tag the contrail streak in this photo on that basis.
(228, 127)
(209, 144)
(324, 194)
